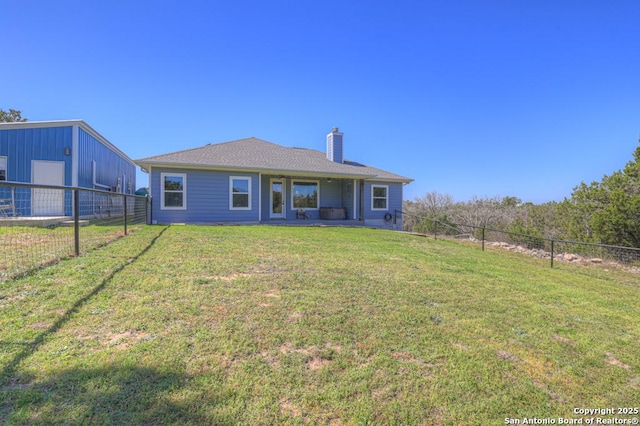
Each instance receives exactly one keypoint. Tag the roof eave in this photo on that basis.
(277, 171)
(396, 180)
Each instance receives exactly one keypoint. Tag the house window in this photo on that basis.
(3, 168)
(379, 197)
(173, 191)
(239, 193)
(305, 194)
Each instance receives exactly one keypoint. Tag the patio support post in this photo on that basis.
(361, 194)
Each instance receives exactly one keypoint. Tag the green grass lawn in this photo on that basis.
(271, 325)
(23, 248)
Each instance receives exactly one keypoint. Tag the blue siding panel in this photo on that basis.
(376, 217)
(109, 165)
(21, 146)
(207, 198)
(347, 197)
(266, 197)
(329, 196)
(395, 199)
(337, 193)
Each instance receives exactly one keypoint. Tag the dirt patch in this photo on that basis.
(507, 356)
(437, 416)
(611, 359)
(218, 310)
(269, 295)
(318, 357)
(294, 317)
(288, 348)
(562, 339)
(336, 348)
(288, 408)
(126, 339)
(272, 294)
(402, 356)
(316, 363)
(461, 346)
(226, 278)
(273, 361)
(40, 326)
(546, 390)
(382, 393)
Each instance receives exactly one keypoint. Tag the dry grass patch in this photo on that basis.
(561, 339)
(288, 408)
(507, 356)
(611, 359)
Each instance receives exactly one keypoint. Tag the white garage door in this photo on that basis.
(47, 202)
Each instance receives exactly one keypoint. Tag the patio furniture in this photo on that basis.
(6, 208)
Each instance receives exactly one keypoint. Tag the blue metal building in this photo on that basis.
(65, 153)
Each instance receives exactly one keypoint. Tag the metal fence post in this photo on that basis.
(76, 221)
(125, 214)
(552, 253)
(435, 229)
(482, 238)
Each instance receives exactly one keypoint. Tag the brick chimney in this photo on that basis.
(334, 145)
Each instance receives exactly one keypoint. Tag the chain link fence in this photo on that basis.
(42, 224)
(554, 250)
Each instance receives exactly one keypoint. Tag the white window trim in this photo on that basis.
(184, 191)
(317, 182)
(248, 179)
(386, 198)
(4, 165)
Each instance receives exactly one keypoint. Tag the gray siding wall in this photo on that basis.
(207, 198)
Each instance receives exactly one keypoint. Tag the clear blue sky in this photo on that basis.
(475, 97)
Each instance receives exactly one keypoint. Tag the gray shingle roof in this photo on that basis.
(253, 154)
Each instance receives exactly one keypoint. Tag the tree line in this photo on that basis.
(604, 212)
(13, 115)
